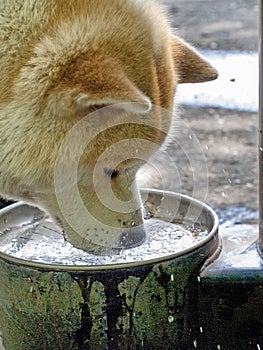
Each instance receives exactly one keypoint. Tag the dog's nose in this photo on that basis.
(133, 237)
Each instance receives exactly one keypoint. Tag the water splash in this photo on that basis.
(42, 241)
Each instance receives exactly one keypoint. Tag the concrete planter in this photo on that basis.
(141, 305)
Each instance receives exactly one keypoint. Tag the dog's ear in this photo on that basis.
(190, 66)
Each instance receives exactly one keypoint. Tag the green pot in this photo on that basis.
(128, 306)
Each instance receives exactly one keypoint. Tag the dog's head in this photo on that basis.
(120, 76)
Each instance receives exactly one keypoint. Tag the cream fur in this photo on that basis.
(61, 60)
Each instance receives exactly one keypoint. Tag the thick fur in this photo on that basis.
(61, 60)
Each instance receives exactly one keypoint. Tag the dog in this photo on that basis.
(84, 86)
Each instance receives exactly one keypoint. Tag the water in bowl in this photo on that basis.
(40, 240)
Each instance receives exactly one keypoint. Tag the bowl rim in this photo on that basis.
(212, 235)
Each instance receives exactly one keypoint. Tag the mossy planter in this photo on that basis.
(130, 306)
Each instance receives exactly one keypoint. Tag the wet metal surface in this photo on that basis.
(239, 257)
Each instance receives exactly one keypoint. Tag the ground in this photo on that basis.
(224, 24)
(228, 138)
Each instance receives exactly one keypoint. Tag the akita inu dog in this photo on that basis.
(83, 89)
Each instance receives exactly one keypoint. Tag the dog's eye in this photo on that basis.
(112, 173)
(96, 106)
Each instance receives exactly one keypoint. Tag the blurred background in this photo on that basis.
(222, 115)
(211, 24)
